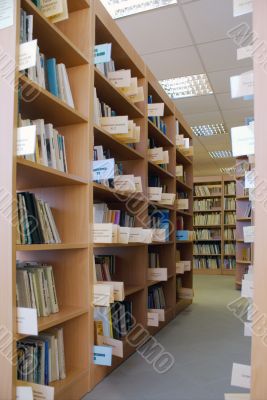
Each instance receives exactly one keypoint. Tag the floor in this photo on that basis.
(205, 340)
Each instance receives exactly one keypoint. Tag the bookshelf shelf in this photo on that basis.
(30, 175)
(185, 213)
(76, 5)
(181, 158)
(206, 254)
(243, 261)
(183, 185)
(129, 290)
(207, 226)
(45, 104)
(65, 314)
(229, 195)
(60, 47)
(242, 198)
(159, 171)
(160, 138)
(207, 211)
(207, 240)
(158, 205)
(161, 243)
(108, 93)
(211, 196)
(244, 219)
(47, 247)
(184, 241)
(99, 245)
(103, 192)
(73, 376)
(120, 150)
(181, 305)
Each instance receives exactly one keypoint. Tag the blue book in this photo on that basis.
(182, 235)
(51, 67)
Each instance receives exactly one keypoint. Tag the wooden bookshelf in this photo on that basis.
(71, 195)
(222, 196)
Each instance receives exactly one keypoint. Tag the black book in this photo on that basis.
(32, 218)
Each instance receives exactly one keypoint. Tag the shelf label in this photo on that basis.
(168, 199)
(26, 140)
(27, 323)
(155, 109)
(152, 319)
(138, 184)
(242, 7)
(103, 355)
(182, 204)
(120, 78)
(136, 98)
(103, 169)
(243, 141)
(40, 392)
(244, 52)
(102, 53)
(27, 55)
(157, 274)
(160, 312)
(50, 8)
(241, 375)
(154, 193)
(147, 236)
(242, 85)
(132, 89)
(115, 125)
(125, 183)
(117, 345)
(103, 295)
(24, 393)
(247, 289)
(248, 328)
(6, 13)
(249, 234)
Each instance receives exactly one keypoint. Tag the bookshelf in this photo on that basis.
(214, 225)
(71, 194)
(244, 251)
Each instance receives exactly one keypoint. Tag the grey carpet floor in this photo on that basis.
(205, 340)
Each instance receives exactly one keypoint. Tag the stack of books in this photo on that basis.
(230, 218)
(229, 188)
(207, 234)
(49, 147)
(36, 288)
(207, 190)
(207, 219)
(35, 220)
(207, 249)
(207, 205)
(229, 234)
(102, 215)
(207, 263)
(156, 298)
(153, 260)
(41, 359)
(229, 249)
(105, 267)
(229, 204)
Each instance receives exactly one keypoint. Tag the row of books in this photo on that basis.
(160, 219)
(35, 288)
(230, 218)
(156, 298)
(114, 321)
(158, 121)
(229, 263)
(229, 188)
(105, 267)
(206, 249)
(244, 253)
(156, 181)
(207, 219)
(229, 204)
(207, 205)
(207, 262)
(229, 234)
(41, 359)
(180, 173)
(47, 73)
(36, 224)
(49, 146)
(207, 234)
(103, 215)
(153, 260)
(229, 249)
(207, 190)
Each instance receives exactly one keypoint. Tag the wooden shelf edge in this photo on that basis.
(50, 247)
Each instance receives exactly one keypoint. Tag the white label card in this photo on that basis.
(102, 53)
(40, 392)
(242, 7)
(6, 13)
(244, 52)
(27, 323)
(121, 78)
(103, 169)
(115, 125)
(24, 393)
(26, 140)
(248, 329)
(243, 140)
(155, 110)
(249, 234)
(241, 375)
(242, 85)
(117, 345)
(237, 396)
(152, 319)
(50, 8)
(27, 55)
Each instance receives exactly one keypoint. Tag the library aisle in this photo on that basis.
(210, 337)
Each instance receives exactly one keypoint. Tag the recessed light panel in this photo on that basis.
(221, 154)
(229, 170)
(122, 8)
(187, 86)
(209, 130)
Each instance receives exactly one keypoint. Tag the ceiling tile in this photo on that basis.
(156, 30)
(197, 104)
(181, 62)
(237, 117)
(221, 55)
(220, 80)
(227, 103)
(210, 20)
(203, 118)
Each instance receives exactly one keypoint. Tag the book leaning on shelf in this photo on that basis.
(41, 359)
(36, 224)
(47, 73)
(50, 148)
(36, 288)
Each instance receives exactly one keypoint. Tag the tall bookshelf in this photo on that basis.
(244, 250)
(214, 225)
(71, 195)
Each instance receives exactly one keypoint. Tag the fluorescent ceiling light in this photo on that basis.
(229, 170)
(187, 86)
(209, 130)
(122, 8)
(221, 154)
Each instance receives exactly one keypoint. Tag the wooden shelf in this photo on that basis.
(211, 196)
(181, 158)
(112, 96)
(207, 240)
(183, 185)
(65, 314)
(230, 195)
(160, 138)
(207, 211)
(32, 175)
(129, 290)
(181, 305)
(52, 42)
(106, 193)
(73, 376)
(206, 271)
(242, 198)
(184, 241)
(243, 262)
(229, 225)
(45, 105)
(158, 205)
(160, 243)
(96, 245)
(157, 170)
(207, 255)
(207, 226)
(243, 219)
(76, 5)
(120, 150)
(185, 213)
(50, 247)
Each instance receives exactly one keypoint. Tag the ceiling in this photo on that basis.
(191, 38)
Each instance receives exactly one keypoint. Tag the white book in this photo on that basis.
(52, 223)
(57, 151)
(48, 271)
(61, 354)
(49, 134)
(40, 132)
(67, 88)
